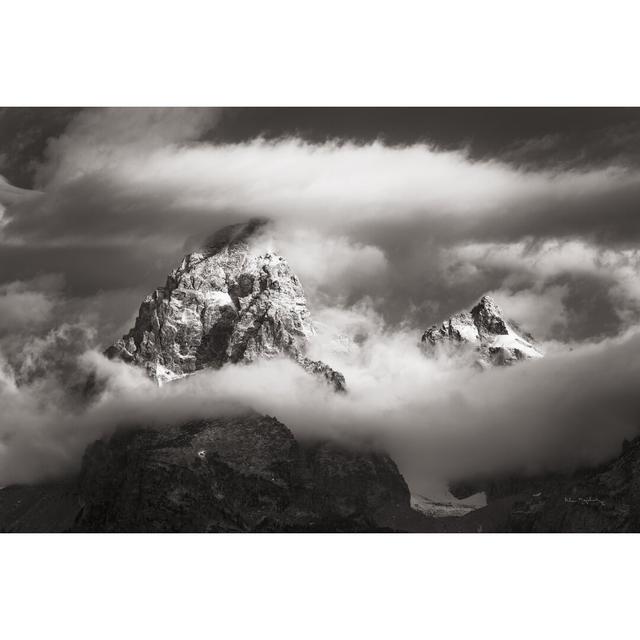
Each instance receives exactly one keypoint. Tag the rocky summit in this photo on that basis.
(232, 301)
(494, 339)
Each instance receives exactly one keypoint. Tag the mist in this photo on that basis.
(440, 419)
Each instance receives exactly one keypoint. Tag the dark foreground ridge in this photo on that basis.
(239, 474)
(604, 499)
(249, 474)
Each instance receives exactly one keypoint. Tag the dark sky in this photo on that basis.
(581, 136)
(24, 133)
(525, 137)
(486, 131)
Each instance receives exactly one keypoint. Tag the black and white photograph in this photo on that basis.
(319, 320)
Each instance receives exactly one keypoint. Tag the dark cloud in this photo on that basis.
(24, 135)
(530, 137)
(613, 143)
(128, 192)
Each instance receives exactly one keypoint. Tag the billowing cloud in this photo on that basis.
(543, 312)
(440, 419)
(101, 139)
(130, 192)
(331, 185)
(25, 305)
(331, 267)
(386, 240)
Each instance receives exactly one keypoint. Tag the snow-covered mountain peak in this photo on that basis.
(494, 339)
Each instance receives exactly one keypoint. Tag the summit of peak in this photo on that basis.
(488, 303)
(498, 340)
(487, 316)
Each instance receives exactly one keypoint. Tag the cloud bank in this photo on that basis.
(440, 419)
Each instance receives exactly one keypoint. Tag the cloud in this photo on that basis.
(543, 312)
(330, 267)
(129, 191)
(612, 144)
(11, 195)
(26, 305)
(598, 285)
(439, 419)
(138, 187)
(101, 139)
(53, 358)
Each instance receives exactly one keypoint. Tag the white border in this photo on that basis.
(318, 586)
(335, 52)
(330, 53)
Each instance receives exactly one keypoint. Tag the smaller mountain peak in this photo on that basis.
(485, 329)
(487, 301)
(488, 305)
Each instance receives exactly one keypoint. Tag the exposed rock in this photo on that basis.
(246, 473)
(249, 474)
(42, 508)
(599, 500)
(486, 333)
(233, 301)
(233, 474)
(604, 499)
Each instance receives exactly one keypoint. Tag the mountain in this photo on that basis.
(486, 333)
(232, 301)
(243, 473)
(602, 499)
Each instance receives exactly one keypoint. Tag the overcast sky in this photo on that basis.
(392, 218)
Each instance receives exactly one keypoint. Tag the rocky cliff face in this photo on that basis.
(602, 499)
(249, 474)
(486, 333)
(234, 474)
(232, 301)
(605, 499)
